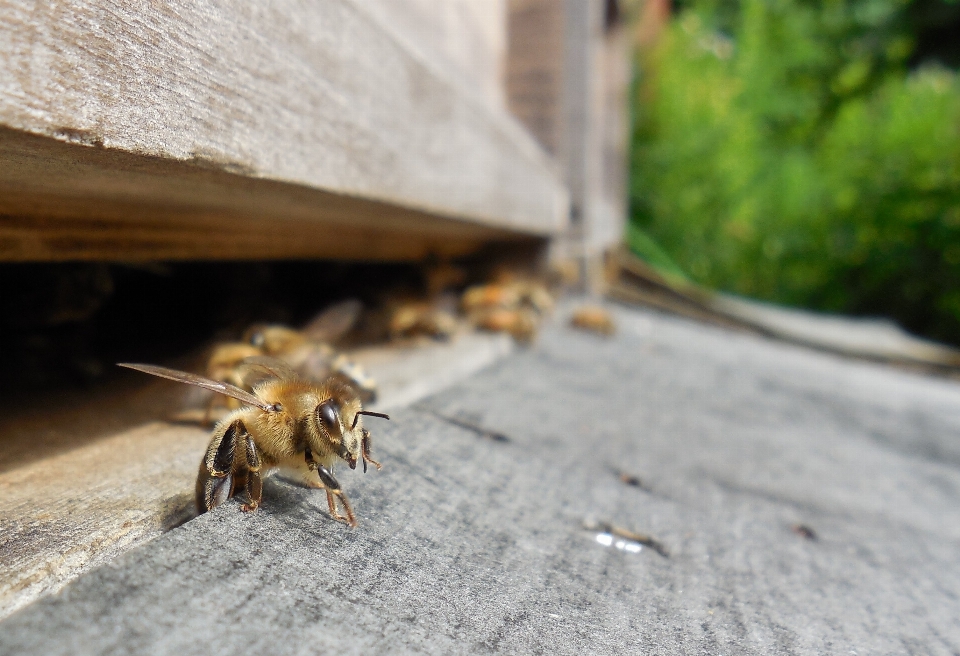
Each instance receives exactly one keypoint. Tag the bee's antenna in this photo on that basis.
(356, 418)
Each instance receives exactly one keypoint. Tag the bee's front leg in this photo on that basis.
(334, 492)
(365, 452)
(215, 479)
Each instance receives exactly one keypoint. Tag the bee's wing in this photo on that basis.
(192, 379)
(258, 368)
(333, 322)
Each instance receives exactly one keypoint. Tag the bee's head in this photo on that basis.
(339, 426)
(339, 422)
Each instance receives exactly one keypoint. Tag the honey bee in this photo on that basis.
(287, 423)
(512, 305)
(509, 293)
(225, 360)
(490, 296)
(521, 323)
(412, 318)
(277, 340)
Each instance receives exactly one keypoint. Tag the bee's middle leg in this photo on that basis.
(215, 481)
(254, 482)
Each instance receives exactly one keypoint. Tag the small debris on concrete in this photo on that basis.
(606, 539)
(631, 480)
(805, 532)
(608, 531)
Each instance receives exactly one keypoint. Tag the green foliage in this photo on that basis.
(798, 161)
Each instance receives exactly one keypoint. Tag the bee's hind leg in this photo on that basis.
(216, 477)
(231, 460)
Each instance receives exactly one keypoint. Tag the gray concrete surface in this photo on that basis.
(474, 545)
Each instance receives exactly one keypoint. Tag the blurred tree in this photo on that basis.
(784, 149)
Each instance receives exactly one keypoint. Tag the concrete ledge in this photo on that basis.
(807, 504)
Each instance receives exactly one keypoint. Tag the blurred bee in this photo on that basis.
(288, 423)
(307, 351)
(225, 360)
(595, 319)
(411, 318)
(509, 293)
(515, 306)
(521, 323)
(481, 297)
(224, 366)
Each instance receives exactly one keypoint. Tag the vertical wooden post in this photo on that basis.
(567, 77)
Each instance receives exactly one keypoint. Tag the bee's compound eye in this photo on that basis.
(327, 413)
(257, 339)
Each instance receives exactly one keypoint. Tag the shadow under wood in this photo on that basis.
(52, 423)
(179, 511)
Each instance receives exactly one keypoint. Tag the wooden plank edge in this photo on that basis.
(121, 488)
(61, 201)
(318, 95)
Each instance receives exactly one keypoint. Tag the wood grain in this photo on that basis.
(567, 78)
(62, 201)
(466, 39)
(259, 106)
(534, 70)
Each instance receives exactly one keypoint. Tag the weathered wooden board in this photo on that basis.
(567, 76)
(466, 39)
(62, 201)
(594, 147)
(87, 478)
(634, 281)
(307, 96)
(534, 69)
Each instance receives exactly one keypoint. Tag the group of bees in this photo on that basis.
(513, 305)
(292, 403)
(288, 400)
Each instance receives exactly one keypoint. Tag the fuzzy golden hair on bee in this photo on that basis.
(287, 423)
(308, 351)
